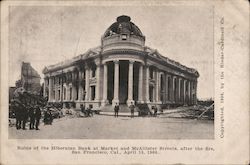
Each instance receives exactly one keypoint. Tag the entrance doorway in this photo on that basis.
(123, 82)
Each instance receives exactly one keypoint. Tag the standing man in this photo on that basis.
(89, 111)
(32, 117)
(132, 109)
(18, 115)
(82, 108)
(37, 117)
(25, 115)
(155, 110)
(116, 108)
(48, 118)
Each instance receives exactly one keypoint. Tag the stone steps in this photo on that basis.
(110, 108)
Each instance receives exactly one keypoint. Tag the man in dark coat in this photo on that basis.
(25, 115)
(155, 110)
(132, 109)
(48, 119)
(17, 109)
(32, 117)
(37, 117)
(116, 109)
(89, 111)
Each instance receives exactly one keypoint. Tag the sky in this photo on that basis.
(45, 35)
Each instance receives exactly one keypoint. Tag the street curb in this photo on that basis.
(121, 114)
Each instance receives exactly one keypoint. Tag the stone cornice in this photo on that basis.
(153, 56)
(172, 64)
(124, 51)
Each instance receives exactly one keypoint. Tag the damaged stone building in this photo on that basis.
(122, 70)
(30, 79)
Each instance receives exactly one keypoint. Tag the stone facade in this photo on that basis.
(121, 71)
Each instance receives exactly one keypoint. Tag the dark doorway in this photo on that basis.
(110, 81)
(92, 92)
(123, 81)
(151, 92)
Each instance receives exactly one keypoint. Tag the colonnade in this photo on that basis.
(179, 90)
(116, 83)
(84, 87)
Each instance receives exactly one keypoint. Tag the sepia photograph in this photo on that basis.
(124, 82)
(133, 72)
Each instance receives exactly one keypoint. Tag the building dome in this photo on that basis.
(123, 25)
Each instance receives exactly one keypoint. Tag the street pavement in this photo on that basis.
(109, 127)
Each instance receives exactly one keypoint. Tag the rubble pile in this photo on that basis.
(200, 112)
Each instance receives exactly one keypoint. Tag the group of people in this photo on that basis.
(87, 112)
(132, 110)
(23, 113)
(48, 118)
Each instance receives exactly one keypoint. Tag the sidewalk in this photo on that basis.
(165, 112)
(122, 114)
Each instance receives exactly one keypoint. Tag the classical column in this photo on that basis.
(184, 91)
(64, 92)
(156, 86)
(50, 89)
(195, 92)
(80, 89)
(105, 85)
(73, 91)
(147, 84)
(169, 88)
(97, 87)
(73, 87)
(189, 90)
(140, 92)
(67, 92)
(87, 84)
(61, 89)
(164, 98)
(166, 88)
(173, 89)
(116, 83)
(55, 89)
(130, 83)
(44, 87)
